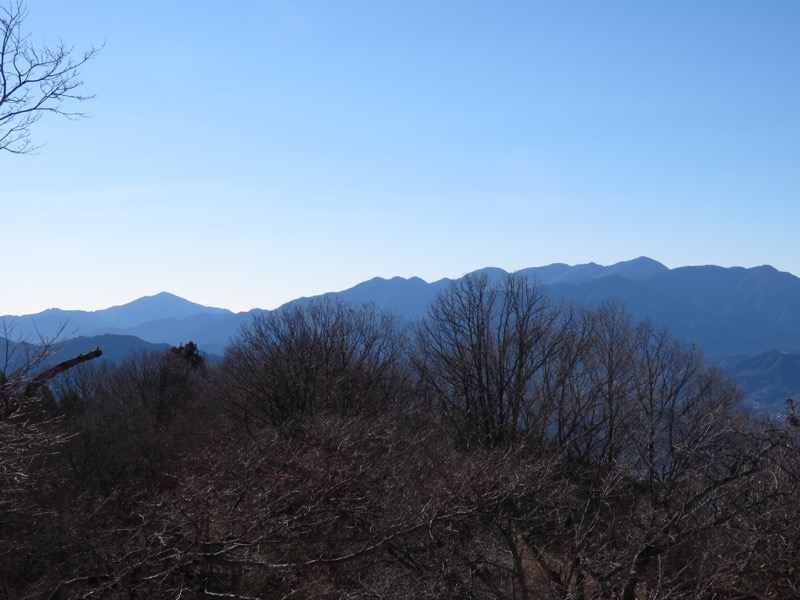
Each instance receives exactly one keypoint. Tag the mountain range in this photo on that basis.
(745, 319)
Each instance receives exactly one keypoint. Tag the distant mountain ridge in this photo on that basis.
(635, 270)
(116, 319)
(734, 314)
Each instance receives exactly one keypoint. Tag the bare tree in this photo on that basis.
(327, 355)
(33, 80)
(663, 470)
(481, 354)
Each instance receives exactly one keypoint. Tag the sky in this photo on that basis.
(244, 154)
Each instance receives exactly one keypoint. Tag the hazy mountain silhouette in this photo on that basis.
(409, 298)
(748, 316)
(755, 309)
(634, 270)
(126, 316)
(732, 313)
(212, 332)
(116, 348)
(768, 378)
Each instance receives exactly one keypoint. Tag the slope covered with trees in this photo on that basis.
(508, 447)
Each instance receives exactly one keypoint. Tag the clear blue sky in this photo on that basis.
(247, 153)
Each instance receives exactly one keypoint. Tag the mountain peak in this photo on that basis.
(159, 297)
(635, 270)
(163, 305)
(638, 268)
(164, 295)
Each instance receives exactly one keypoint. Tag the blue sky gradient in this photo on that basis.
(245, 154)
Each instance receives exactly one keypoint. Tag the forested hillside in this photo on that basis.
(507, 446)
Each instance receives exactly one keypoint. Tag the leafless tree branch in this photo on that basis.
(34, 80)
